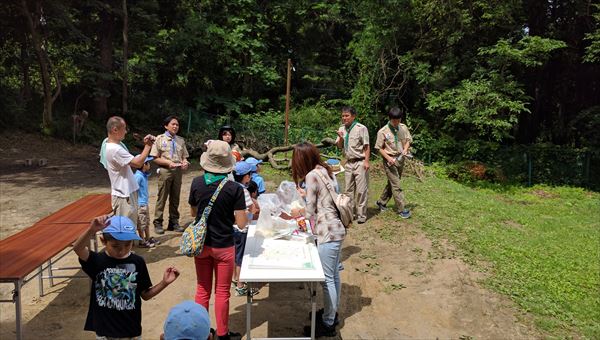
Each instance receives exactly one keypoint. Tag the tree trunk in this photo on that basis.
(270, 155)
(125, 57)
(25, 93)
(106, 35)
(43, 60)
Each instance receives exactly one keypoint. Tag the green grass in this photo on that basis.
(540, 245)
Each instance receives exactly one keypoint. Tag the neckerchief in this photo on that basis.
(395, 132)
(346, 138)
(210, 178)
(173, 144)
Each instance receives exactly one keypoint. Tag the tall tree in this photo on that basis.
(125, 57)
(34, 20)
(105, 38)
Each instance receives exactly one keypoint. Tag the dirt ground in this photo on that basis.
(390, 290)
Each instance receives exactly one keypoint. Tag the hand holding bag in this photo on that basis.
(192, 240)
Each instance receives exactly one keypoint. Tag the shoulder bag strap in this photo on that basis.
(328, 185)
(208, 208)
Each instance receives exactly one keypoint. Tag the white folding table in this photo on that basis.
(269, 260)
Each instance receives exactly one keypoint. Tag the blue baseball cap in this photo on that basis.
(149, 159)
(243, 167)
(253, 161)
(122, 229)
(187, 320)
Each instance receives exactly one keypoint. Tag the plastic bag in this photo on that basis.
(289, 196)
(270, 206)
(269, 222)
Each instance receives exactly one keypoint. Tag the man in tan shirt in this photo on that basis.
(393, 143)
(171, 155)
(353, 139)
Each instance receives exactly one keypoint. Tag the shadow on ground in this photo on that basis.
(286, 309)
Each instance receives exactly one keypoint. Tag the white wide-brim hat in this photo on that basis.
(217, 158)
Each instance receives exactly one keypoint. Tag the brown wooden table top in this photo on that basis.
(23, 252)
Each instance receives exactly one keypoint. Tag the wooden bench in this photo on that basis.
(34, 248)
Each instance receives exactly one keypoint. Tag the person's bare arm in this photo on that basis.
(367, 151)
(339, 141)
(139, 160)
(406, 148)
(193, 211)
(81, 245)
(170, 275)
(241, 218)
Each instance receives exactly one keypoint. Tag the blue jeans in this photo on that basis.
(330, 254)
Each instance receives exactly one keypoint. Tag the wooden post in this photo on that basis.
(287, 99)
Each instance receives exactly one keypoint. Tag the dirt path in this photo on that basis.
(395, 285)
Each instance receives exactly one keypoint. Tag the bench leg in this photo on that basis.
(17, 301)
(50, 273)
(41, 281)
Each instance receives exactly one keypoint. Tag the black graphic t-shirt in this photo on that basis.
(115, 299)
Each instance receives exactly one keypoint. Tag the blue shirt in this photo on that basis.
(142, 181)
(260, 182)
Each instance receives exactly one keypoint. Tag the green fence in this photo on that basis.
(549, 164)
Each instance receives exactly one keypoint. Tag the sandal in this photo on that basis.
(244, 291)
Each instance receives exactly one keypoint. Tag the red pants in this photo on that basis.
(219, 261)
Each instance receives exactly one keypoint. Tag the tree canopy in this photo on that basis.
(471, 75)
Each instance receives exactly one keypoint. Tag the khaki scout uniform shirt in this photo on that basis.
(386, 141)
(164, 144)
(359, 137)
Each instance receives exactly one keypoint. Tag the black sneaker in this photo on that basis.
(158, 229)
(176, 227)
(381, 206)
(320, 312)
(320, 330)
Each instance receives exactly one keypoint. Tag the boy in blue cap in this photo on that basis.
(143, 221)
(187, 320)
(119, 278)
(255, 176)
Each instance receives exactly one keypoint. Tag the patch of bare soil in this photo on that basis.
(544, 194)
(396, 282)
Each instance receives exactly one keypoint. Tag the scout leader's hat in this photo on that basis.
(217, 158)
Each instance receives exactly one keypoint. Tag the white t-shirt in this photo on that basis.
(122, 180)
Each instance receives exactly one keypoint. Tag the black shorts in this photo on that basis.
(239, 240)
